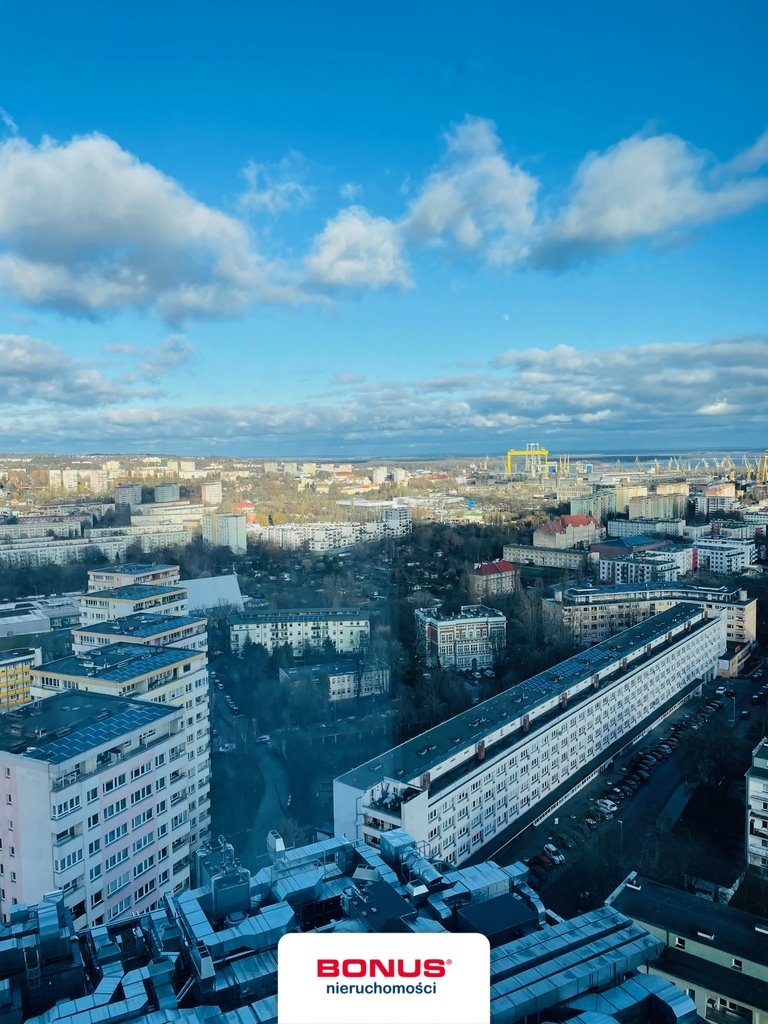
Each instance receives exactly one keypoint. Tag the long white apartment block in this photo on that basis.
(163, 675)
(186, 631)
(512, 760)
(117, 602)
(112, 542)
(757, 809)
(93, 805)
(147, 573)
(725, 556)
(592, 614)
(348, 628)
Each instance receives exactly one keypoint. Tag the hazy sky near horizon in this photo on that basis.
(350, 229)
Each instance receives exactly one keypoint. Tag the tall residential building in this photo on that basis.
(757, 809)
(471, 639)
(658, 506)
(165, 492)
(226, 531)
(109, 577)
(508, 763)
(16, 675)
(348, 628)
(128, 494)
(94, 805)
(211, 492)
(187, 631)
(117, 602)
(161, 675)
(489, 579)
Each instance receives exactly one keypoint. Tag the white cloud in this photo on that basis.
(644, 187)
(350, 190)
(35, 371)
(720, 407)
(475, 197)
(357, 250)
(7, 121)
(87, 228)
(277, 187)
(173, 353)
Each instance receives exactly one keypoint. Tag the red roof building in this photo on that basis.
(491, 578)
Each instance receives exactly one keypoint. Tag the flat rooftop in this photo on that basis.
(68, 724)
(18, 652)
(135, 568)
(730, 594)
(143, 624)
(684, 914)
(118, 663)
(300, 615)
(136, 591)
(422, 753)
(468, 611)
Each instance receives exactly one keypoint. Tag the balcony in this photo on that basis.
(722, 1015)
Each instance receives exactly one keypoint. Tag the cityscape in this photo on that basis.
(383, 513)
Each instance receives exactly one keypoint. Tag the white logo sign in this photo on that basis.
(383, 978)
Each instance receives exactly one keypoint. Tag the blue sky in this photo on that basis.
(344, 230)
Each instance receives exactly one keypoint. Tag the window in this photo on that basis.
(93, 820)
(91, 795)
(94, 847)
(112, 784)
(736, 964)
(13, 876)
(115, 808)
(141, 794)
(679, 943)
(116, 833)
(95, 872)
(9, 799)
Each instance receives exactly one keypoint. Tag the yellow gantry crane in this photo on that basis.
(762, 469)
(536, 459)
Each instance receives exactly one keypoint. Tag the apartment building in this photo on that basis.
(146, 573)
(568, 532)
(646, 526)
(161, 675)
(592, 614)
(341, 680)
(226, 531)
(511, 761)
(725, 557)
(112, 542)
(117, 602)
(211, 492)
(186, 631)
(715, 954)
(94, 805)
(31, 527)
(598, 506)
(489, 579)
(349, 629)
(469, 640)
(658, 506)
(554, 558)
(128, 494)
(666, 564)
(16, 675)
(165, 492)
(757, 809)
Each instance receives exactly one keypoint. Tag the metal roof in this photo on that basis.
(415, 757)
(118, 663)
(91, 720)
(143, 624)
(136, 591)
(301, 615)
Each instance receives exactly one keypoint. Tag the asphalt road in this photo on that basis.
(250, 777)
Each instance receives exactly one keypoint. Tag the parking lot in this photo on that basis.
(635, 802)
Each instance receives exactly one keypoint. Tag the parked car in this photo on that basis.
(730, 693)
(552, 852)
(744, 716)
(544, 861)
(266, 738)
(606, 805)
(720, 691)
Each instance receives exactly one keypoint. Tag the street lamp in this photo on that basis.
(733, 707)
(620, 823)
